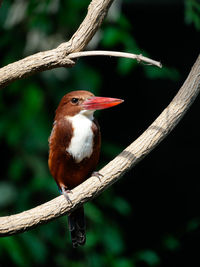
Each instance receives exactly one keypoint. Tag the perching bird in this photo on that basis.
(74, 148)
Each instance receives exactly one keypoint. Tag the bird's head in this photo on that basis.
(84, 102)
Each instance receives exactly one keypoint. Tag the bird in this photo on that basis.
(74, 149)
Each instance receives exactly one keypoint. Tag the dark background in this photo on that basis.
(151, 216)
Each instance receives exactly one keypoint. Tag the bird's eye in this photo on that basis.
(74, 100)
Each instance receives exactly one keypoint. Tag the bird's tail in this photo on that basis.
(76, 223)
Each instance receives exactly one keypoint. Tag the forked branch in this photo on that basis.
(57, 57)
(62, 55)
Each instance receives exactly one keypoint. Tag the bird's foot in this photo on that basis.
(65, 193)
(98, 175)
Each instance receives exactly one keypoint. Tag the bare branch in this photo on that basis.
(54, 59)
(57, 57)
(115, 169)
(139, 58)
(33, 64)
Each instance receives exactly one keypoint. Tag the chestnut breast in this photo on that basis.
(74, 149)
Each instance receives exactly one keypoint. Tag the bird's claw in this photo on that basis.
(65, 193)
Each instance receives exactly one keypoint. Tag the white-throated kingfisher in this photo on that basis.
(74, 148)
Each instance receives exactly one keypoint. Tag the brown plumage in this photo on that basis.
(74, 148)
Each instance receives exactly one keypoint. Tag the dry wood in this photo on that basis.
(116, 168)
(57, 57)
(62, 55)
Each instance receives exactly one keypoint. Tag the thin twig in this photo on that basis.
(139, 58)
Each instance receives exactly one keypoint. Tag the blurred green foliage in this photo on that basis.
(27, 110)
(192, 13)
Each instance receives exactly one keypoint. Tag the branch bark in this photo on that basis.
(62, 55)
(115, 169)
(57, 57)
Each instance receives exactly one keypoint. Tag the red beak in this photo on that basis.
(97, 102)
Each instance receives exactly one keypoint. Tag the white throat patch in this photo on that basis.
(81, 145)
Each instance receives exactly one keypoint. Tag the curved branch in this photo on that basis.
(116, 168)
(62, 55)
(57, 57)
